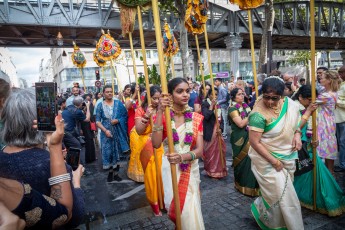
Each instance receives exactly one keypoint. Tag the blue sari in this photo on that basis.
(111, 148)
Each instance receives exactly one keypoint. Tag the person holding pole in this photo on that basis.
(188, 144)
(275, 138)
(143, 149)
(330, 199)
(213, 162)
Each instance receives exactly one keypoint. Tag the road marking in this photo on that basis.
(130, 193)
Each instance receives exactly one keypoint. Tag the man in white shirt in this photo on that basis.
(340, 121)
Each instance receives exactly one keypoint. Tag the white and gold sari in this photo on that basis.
(278, 206)
(188, 184)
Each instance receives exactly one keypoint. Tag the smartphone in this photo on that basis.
(46, 105)
(73, 157)
(319, 102)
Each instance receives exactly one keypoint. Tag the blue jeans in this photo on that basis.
(225, 120)
(341, 143)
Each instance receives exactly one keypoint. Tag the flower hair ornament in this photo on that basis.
(276, 77)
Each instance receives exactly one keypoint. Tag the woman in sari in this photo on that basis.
(245, 181)
(275, 137)
(214, 158)
(200, 98)
(188, 144)
(330, 199)
(328, 148)
(142, 152)
(111, 119)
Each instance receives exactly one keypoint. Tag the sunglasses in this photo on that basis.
(273, 98)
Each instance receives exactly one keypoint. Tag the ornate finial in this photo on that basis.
(108, 31)
(102, 31)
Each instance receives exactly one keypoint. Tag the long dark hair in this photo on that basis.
(304, 91)
(175, 82)
(201, 91)
(209, 93)
(153, 89)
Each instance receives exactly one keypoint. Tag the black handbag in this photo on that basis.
(304, 163)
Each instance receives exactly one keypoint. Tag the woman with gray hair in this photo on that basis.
(23, 158)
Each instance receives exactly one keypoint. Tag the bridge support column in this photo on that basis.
(234, 42)
(342, 54)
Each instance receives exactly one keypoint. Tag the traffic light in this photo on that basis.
(97, 75)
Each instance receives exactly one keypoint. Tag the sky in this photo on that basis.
(27, 62)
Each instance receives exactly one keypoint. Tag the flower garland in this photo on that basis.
(243, 109)
(188, 115)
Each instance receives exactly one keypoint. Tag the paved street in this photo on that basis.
(123, 205)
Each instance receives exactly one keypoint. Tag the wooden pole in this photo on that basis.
(134, 65)
(213, 94)
(164, 83)
(117, 78)
(82, 79)
(200, 64)
(253, 52)
(146, 72)
(172, 66)
(313, 92)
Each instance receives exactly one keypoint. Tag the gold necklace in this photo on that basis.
(179, 112)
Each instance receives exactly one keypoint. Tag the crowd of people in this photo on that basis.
(268, 133)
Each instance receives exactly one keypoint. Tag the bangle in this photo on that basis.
(305, 117)
(275, 165)
(59, 179)
(192, 154)
(298, 131)
(157, 128)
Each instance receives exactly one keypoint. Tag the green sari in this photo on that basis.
(245, 181)
(330, 199)
(278, 206)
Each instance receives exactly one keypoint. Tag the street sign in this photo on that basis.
(98, 84)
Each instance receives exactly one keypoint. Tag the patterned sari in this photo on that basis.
(278, 206)
(188, 184)
(143, 161)
(245, 181)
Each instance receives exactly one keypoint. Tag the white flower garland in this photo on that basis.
(189, 129)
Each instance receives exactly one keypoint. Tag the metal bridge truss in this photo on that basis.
(36, 23)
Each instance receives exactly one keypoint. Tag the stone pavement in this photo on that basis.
(124, 206)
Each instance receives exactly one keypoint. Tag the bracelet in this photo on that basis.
(275, 165)
(305, 117)
(298, 131)
(157, 128)
(192, 154)
(59, 179)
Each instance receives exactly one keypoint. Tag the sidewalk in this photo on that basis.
(123, 205)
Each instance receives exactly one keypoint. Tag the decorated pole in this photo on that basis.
(82, 79)
(253, 52)
(172, 66)
(313, 93)
(213, 93)
(134, 64)
(164, 83)
(147, 84)
(79, 60)
(200, 64)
